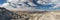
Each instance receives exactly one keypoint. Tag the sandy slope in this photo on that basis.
(54, 15)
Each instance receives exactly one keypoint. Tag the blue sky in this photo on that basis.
(2, 1)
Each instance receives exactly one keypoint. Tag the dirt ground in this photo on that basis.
(54, 15)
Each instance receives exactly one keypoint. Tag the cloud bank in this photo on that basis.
(19, 5)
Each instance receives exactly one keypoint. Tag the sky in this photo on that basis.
(36, 5)
(2, 1)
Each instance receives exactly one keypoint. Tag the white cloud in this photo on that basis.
(24, 7)
(19, 8)
(7, 6)
(57, 6)
(13, 1)
(57, 3)
(32, 4)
